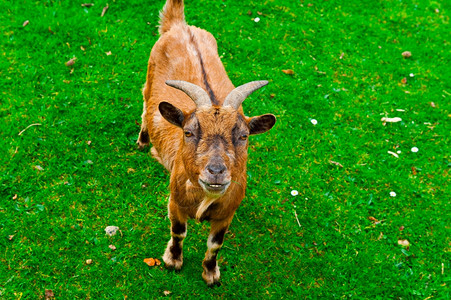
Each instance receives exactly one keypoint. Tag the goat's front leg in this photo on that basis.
(173, 256)
(215, 239)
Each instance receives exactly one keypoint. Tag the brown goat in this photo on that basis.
(194, 120)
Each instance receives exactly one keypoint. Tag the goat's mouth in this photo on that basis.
(214, 188)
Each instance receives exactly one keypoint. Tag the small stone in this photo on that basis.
(406, 54)
(111, 230)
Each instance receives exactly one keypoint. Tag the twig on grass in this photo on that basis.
(36, 124)
(296, 215)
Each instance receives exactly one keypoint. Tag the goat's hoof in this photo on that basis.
(172, 264)
(212, 277)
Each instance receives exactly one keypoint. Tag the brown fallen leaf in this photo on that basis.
(51, 31)
(71, 62)
(15, 197)
(401, 228)
(49, 294)
(432, 104)
(288, 72)
(150, 262)
(25, 23)
(167, 292)
(108, 53)
(87, 4)
(404, 80)
(157, 262)
(112, 247)
(414, 171)
(104, 10)
(10, 237)
(406, 54)
(89, 261)
(374, 220)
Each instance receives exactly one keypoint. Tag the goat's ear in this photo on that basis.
(261, 123)
(171, 113)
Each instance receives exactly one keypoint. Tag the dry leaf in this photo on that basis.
(112, 247)
(87, 4)
(373, 219)
(404, 80)
(10, 237)
(108, 53)
(432, 104)
(71, 62)
(404, 243)
(89, 261)
(49, 294)
(39, 168)
(25, 23)
(342, 55)
(167, 292)
(157, 262)
(336, 163)
(259, 13)
(401, 228)
(288, 72)
(50, 30)
(393, 153)
(406, 54)
(391, 120)
(150, 262)
(104, 10)
(15, 197)
(414, 171)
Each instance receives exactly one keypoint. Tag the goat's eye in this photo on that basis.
(188, 133)
(243, 137)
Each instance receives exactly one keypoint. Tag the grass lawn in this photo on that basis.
(366, 223)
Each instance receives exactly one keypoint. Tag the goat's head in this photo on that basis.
(215, 142)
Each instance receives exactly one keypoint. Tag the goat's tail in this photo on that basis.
(172, 13)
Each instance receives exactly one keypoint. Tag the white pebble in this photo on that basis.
(111, 230)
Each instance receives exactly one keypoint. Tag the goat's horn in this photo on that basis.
(239, 94)
(198, 94)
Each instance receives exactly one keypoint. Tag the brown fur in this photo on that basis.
(210, 138)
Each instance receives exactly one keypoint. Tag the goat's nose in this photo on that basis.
(216, 169)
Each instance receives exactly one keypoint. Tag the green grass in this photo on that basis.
(63, 181)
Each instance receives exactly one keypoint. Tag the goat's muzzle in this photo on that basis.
(215, 179)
